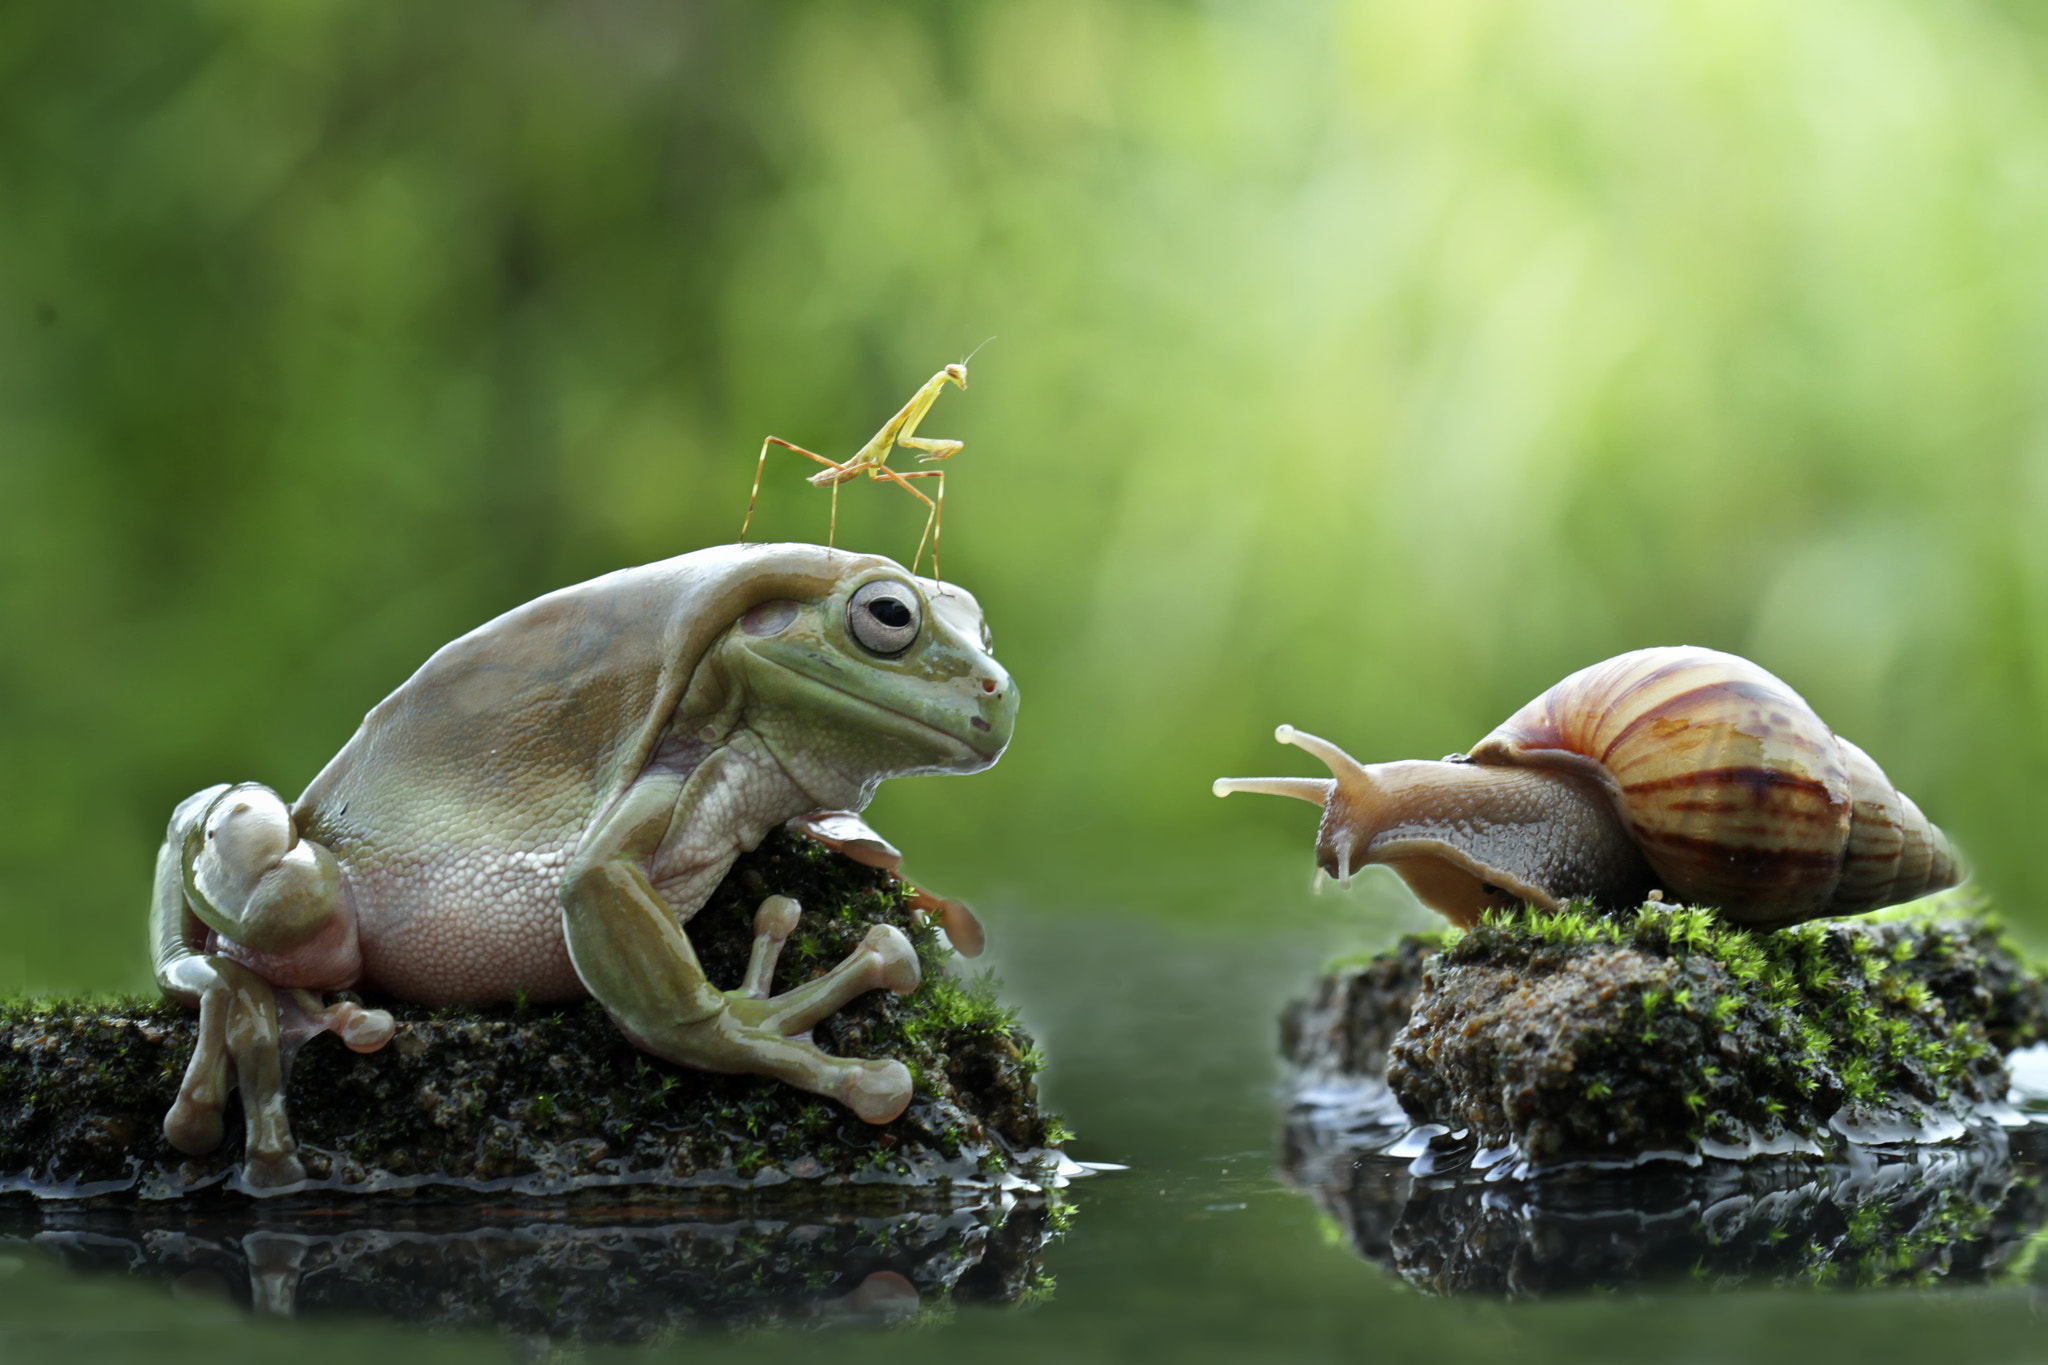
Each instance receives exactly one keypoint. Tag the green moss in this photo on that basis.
(1858, 999)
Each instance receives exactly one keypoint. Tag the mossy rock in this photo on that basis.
(1572, 1037)
(551, 1101)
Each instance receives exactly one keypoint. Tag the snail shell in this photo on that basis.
(1683, 769)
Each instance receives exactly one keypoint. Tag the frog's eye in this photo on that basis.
(883, 617)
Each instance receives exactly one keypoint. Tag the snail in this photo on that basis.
(1676, 770)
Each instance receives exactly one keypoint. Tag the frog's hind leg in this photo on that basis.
(193, 1122)
(238, 1048)
(233, 864)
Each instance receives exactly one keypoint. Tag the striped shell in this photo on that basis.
(1736, 792)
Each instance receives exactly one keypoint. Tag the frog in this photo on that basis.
(538, 811)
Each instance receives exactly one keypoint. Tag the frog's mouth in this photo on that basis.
(955, 733)
(984, 742)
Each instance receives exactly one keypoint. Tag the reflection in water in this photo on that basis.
(1427, 1211)
(590, 1275)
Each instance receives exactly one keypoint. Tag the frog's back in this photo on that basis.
(456, 806)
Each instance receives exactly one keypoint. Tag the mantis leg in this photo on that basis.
(934, 448)
(762, 464)
(931, 522)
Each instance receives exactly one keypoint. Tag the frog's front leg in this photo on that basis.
(843, 831)
(635, 958)
(233, 863)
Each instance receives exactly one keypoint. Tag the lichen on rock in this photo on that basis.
(1571, 1036)
(550, 1100)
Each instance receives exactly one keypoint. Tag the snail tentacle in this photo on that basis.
(1316, 789)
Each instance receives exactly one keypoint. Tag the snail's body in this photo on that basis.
(1682, 770)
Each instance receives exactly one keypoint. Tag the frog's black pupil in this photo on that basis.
(889, 612)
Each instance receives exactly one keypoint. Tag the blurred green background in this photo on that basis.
(1365, 366)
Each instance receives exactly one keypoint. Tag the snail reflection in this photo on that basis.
(595, 1275)
(1910, 1215)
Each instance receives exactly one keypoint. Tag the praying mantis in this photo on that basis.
(872, 460)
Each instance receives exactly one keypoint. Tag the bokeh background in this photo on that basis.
(1367, 366)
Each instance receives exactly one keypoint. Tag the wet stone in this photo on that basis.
(1573, 1038)
(532, 1100)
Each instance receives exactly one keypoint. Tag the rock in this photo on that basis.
(551, 1101)
(1573, 1038)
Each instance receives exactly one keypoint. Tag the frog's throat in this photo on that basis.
(826, 786)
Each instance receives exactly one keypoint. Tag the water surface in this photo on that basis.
(1163, 1040)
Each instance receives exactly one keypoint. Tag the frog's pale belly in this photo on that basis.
(465, 928)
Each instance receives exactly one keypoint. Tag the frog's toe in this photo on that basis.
(963, 930)
(846, 833)
(877, 1092)
(366, 1030)
(774, 922)
(883, 1296)
(194, 1127)
(302, 1016)
(895, 967)
(272, 1170)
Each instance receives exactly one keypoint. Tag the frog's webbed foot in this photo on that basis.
(247, 1037)
(359, 1028)
(770, 1034)
(234, 873)
(846, 833)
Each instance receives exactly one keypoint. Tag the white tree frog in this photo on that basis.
(540, 809)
